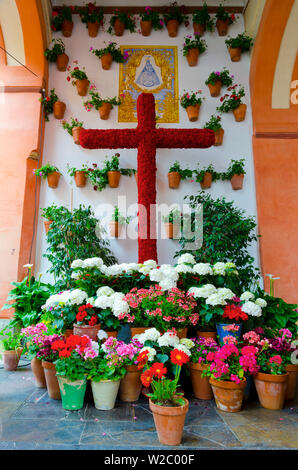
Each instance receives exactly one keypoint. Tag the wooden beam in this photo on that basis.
(134, 10)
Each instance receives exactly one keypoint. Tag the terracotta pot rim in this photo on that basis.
(12, 351)
(271, 377)
(169, 410)
(86, 326)
(47, 365)
(292, 367)
(197, 366)
(226, 384)
(132, 368)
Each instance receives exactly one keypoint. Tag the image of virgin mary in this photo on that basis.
(148, 77)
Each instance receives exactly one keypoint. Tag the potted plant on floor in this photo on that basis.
(103, 105)
(73, 129)
(130, 385)
(121, 21)
(79, 79)
(105, 302)
(235, 173)
(92, 16)
(233, 102)
(224, 19)
(214, 124)
(50, 172)
(62, 21)
(192, 47)
(172, 223)
(206, 176)
(87, 322)
(176, 174)
(150, 19)
(239, 44)
(191, 101)
(202, 20)
(11, 343)
(79, 175)
(57, 54)
(218, 79)
(203, 348)
(174, 16)
(109, 54)
(229, 322)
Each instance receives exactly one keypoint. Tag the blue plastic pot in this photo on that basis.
(222, 332)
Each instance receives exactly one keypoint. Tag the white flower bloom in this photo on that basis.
(95, 345)
(167, 284)
(225, 293)
(104, 290)
(261, 302)
(183, 348)
(183, 268)
(101, 335)
(145, 269)
(150, 263)
(75, 275)
(90, 301)
(168, 339)
(130, 267)
(246, 295)
(117, 296)
(186, 258)
(204, 292)
(93, 262)
(152, 334)
(77, 297)
(230, 265)
(77, 263)
(252, 309)
(151, 351)
(29, 266)
(155, 275)
(219, 268)
(120, 306)
(114, 270)
(103, 302)
(215, 299)
(203, 269)
(187, 342)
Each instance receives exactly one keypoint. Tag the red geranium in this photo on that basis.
(179, 357)
(235, 313)
(86, 315)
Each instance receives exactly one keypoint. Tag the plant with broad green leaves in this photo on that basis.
(153, 16)
(200, 174)
(96, 101)
(118, 217)
(236, 167)
(58, 48)
(232, 101)
(243, 41)
(125, 18)
(194, 43)
(176, 12)
(214, 123)
(74, 123)
(202, 17)
(223, 76)
(11, 341)
(45, 170)
(177, 169)
(48, 103)
(191, 98)
(91, 14)
(112, 49)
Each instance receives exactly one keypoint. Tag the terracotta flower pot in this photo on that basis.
(192, 57)
(182, 333)
(11, 358)
(51, 380)
(87, 330)
(171, 230)
(114, 178)
(47, 225)
(207, 181)
(80, 179)
(222, 27)
(67, 27)
(106, 61)
(146, 27)
(292, 370)
(112, 334)
(38, 371)
(174, 179)
(76, 134)
(82, 86)
(228, 395)
(219, 135)
(136, 177)
(105, 393)
(59, 109)
(93, 29)
(130, 385)
(193, 112)
(53, 179)
(119, 27)
(199, 28)
(115, 228)
(137, 330)
(61, 62)
(215, 89)
(68, 332)
(235, 53)
(172, 27)
(240, 112)
(271, 390)
(207, 334)
(200, 385)
(237, 182)
(169, 422)
(104, 111)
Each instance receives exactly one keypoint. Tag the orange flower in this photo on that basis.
(179, 357)
(146, 378)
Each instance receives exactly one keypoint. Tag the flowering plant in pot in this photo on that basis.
(108, 54)
(63, 20)
(202, 21)
(172, 222)
(11, 343)
(57, 54)
(73, 128)
(150, 19)
(214, 124)
(206, 176)
(192, 47)
(237, 45)
(130, 385)
(78, 78)
(233, 102)
(48, 104)
(50, 172)
(176, 174)
(191, 101)
(104, 105)
(224, 19)
(235, 173)
(92, 16)
(87, 322)
(79, 175)
(117, 220)
(218, 79)
(121, 21)
(198, 362)
(108, 304)
(174, 16)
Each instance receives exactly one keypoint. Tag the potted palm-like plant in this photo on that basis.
(12, 348)
(218, 79)
(191, 101)
(92, 16)
(63, 20)
(174, 16)
(73, 129)
(235, 173)
(176, 174)
(237, 45)
(150, 19)
(206, 176)
(172, 222)
(117, 221)
(103, 105)
(202, 20)
(108, 54)
(233, 102)
(57, 54)
(214, 124)
(121, 21)
(79, 175)
(79, 79)
(192, 47)
(50, 172)
(224, 19)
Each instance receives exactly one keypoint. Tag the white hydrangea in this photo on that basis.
(252, 309)
(90, 301)
(230, 265)
(145, 269)
(219, 268)
(261, 302)
(186, 258)
(77, 263)
(152, 334)
(183, 348)
(130, 267)
(77, 297)
(151, 351)
(226, 293)
(187, 342)
(117, 296)
(169, 272)
(120, 306)
(104, 290)
(246, 295)
(150, 263)
(204, 292)
(103, 302)
(95, 345)
(155, 275)
(202, 269)
(113, 270)
(167, 284)
(168, 339)
(183, 268)
(55, 299)
(75, 275)
(215, 299)
(102, 335)
(93, 263)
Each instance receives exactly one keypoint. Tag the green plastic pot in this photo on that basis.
(72, 392)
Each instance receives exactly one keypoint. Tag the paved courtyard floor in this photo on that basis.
(29, 419)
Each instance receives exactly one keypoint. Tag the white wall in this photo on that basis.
(59, 148)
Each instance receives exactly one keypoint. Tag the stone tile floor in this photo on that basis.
(29, 419)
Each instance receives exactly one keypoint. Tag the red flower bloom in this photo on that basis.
(68, 79)
(179, 357)
(234, 312)
(64, 353)
(158, 370)
(54, 13)
(146, 378)
(93, 320)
